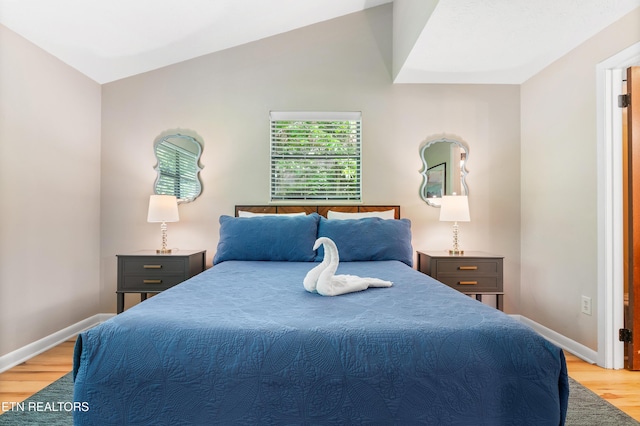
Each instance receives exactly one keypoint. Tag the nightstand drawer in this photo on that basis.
(150, 283)
(472, 273)
(470, 266)
(153, 266)
(471, 284)
(149, 272)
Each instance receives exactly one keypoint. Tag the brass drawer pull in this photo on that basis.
(152, 266)
(468, 282)
(152, 281)
(468, 268)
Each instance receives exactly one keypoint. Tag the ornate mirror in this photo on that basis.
(178, 169)
(443, 169)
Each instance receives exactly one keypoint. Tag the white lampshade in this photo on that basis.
(454, 208)
(163, 208)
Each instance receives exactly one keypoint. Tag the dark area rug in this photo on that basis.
(52, 406)
(586, 408)
(46, 407)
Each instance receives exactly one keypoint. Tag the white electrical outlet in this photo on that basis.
(586, 305)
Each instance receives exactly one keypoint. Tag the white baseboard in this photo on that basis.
(577, 349)
(25, 353)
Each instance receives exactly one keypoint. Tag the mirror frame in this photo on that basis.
(435, 202)
(182, 135)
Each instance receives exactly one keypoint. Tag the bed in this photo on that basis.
(244, 343)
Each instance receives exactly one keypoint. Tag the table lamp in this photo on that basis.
(455, 208)
(163, 209)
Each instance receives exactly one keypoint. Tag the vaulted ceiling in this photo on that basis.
(445, 41)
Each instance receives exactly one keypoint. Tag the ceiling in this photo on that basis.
(470, 41)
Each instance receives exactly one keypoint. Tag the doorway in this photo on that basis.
(610, 206)
(631, 213)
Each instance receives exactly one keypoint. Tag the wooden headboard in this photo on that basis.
(321, 210)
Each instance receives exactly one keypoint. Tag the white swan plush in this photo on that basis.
(322, 278)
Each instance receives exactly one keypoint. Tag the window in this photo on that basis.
(315, 156)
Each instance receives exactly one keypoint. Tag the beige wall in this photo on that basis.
(342, 64)
(49, 187)
(559, 222)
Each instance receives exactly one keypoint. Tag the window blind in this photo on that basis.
(178, 171)
(316, 156)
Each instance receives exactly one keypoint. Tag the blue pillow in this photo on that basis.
(278, 238)
(368, 239)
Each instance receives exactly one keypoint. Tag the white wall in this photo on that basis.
(559, 223)
(49, 187)
(409, 20)
(342, 64)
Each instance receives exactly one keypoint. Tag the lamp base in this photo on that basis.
(455, 251)
(163, 249)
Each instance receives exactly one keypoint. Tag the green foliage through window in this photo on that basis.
(316, 159)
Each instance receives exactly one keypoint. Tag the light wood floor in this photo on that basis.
(23, 380)
(620, 387)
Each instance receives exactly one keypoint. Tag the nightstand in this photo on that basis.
(147, 272)
(473, 273)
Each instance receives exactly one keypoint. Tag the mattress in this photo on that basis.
(244, 343)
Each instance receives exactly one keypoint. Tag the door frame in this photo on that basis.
(610, 239)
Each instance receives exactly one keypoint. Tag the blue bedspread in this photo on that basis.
(244, 343)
